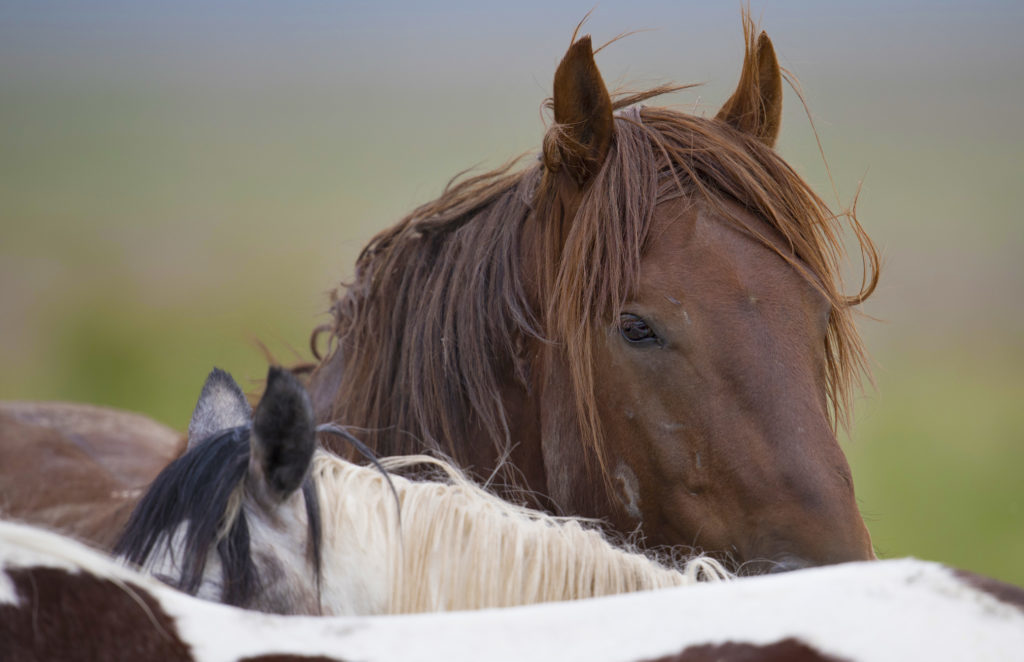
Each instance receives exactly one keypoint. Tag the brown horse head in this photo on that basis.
(711, 386)
(647, 326)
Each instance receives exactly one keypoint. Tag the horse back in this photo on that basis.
(76, 468)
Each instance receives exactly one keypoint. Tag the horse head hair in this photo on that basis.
(195, 506)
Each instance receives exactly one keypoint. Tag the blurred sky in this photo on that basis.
(179, 180)
(174, 114)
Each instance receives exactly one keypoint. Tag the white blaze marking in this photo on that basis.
(629, 493)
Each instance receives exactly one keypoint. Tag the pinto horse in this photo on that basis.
(60, 600)
(252, 516)
(647, 326)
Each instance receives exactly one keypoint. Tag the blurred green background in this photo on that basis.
(181, 182)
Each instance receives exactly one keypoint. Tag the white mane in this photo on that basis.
(458, 547)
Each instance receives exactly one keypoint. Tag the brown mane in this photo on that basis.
(452, 270)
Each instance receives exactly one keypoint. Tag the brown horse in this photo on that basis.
(646, 326)
(77, 468)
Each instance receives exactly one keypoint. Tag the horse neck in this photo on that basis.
(518, 563)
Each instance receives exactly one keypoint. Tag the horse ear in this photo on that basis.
(583, 110)
(756, 106)
(283, 435)
(221, 406)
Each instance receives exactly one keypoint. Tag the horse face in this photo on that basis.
(711, 384)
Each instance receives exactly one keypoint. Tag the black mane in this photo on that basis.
(196, 489)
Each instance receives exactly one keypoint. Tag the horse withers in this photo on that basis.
(646, 326)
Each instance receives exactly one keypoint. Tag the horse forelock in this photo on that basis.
(658, 154)
(452, 269)
(191, 506)
(196, 505)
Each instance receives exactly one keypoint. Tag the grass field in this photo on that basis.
(178, 186)
(937, 456)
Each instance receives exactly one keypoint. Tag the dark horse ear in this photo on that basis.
(583, 110)
(221, 406)
(283, 434)
(756, 106)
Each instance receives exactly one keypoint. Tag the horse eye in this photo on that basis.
(635, 329)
